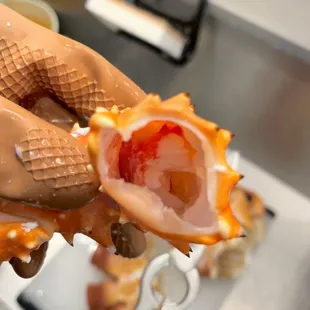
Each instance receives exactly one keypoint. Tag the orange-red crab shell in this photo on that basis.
(167, 169)
(34, 226)
(123, 284)
(227, 259)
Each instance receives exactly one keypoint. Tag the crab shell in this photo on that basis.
(121, 290)
(35, 226)
(110, 130)
(228, 259)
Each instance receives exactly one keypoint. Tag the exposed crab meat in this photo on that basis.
(166, 167)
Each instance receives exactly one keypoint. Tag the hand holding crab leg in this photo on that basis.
(92, 212)
(156, 163)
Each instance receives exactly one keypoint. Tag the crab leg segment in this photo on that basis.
(167, 169)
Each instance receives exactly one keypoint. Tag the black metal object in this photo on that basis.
(173, 11)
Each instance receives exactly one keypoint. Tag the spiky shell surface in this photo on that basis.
(199, 144)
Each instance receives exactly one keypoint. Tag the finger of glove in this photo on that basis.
(42, 164)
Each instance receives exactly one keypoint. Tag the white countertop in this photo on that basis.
(275, 193)
(11, 285)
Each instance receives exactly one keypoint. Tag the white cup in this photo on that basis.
(36, 10)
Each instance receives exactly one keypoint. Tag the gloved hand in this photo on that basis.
(44, 166)
(47, 84)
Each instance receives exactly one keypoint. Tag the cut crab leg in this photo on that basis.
(163, 165)
(166, 167)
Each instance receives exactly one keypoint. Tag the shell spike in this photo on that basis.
(148, 137)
